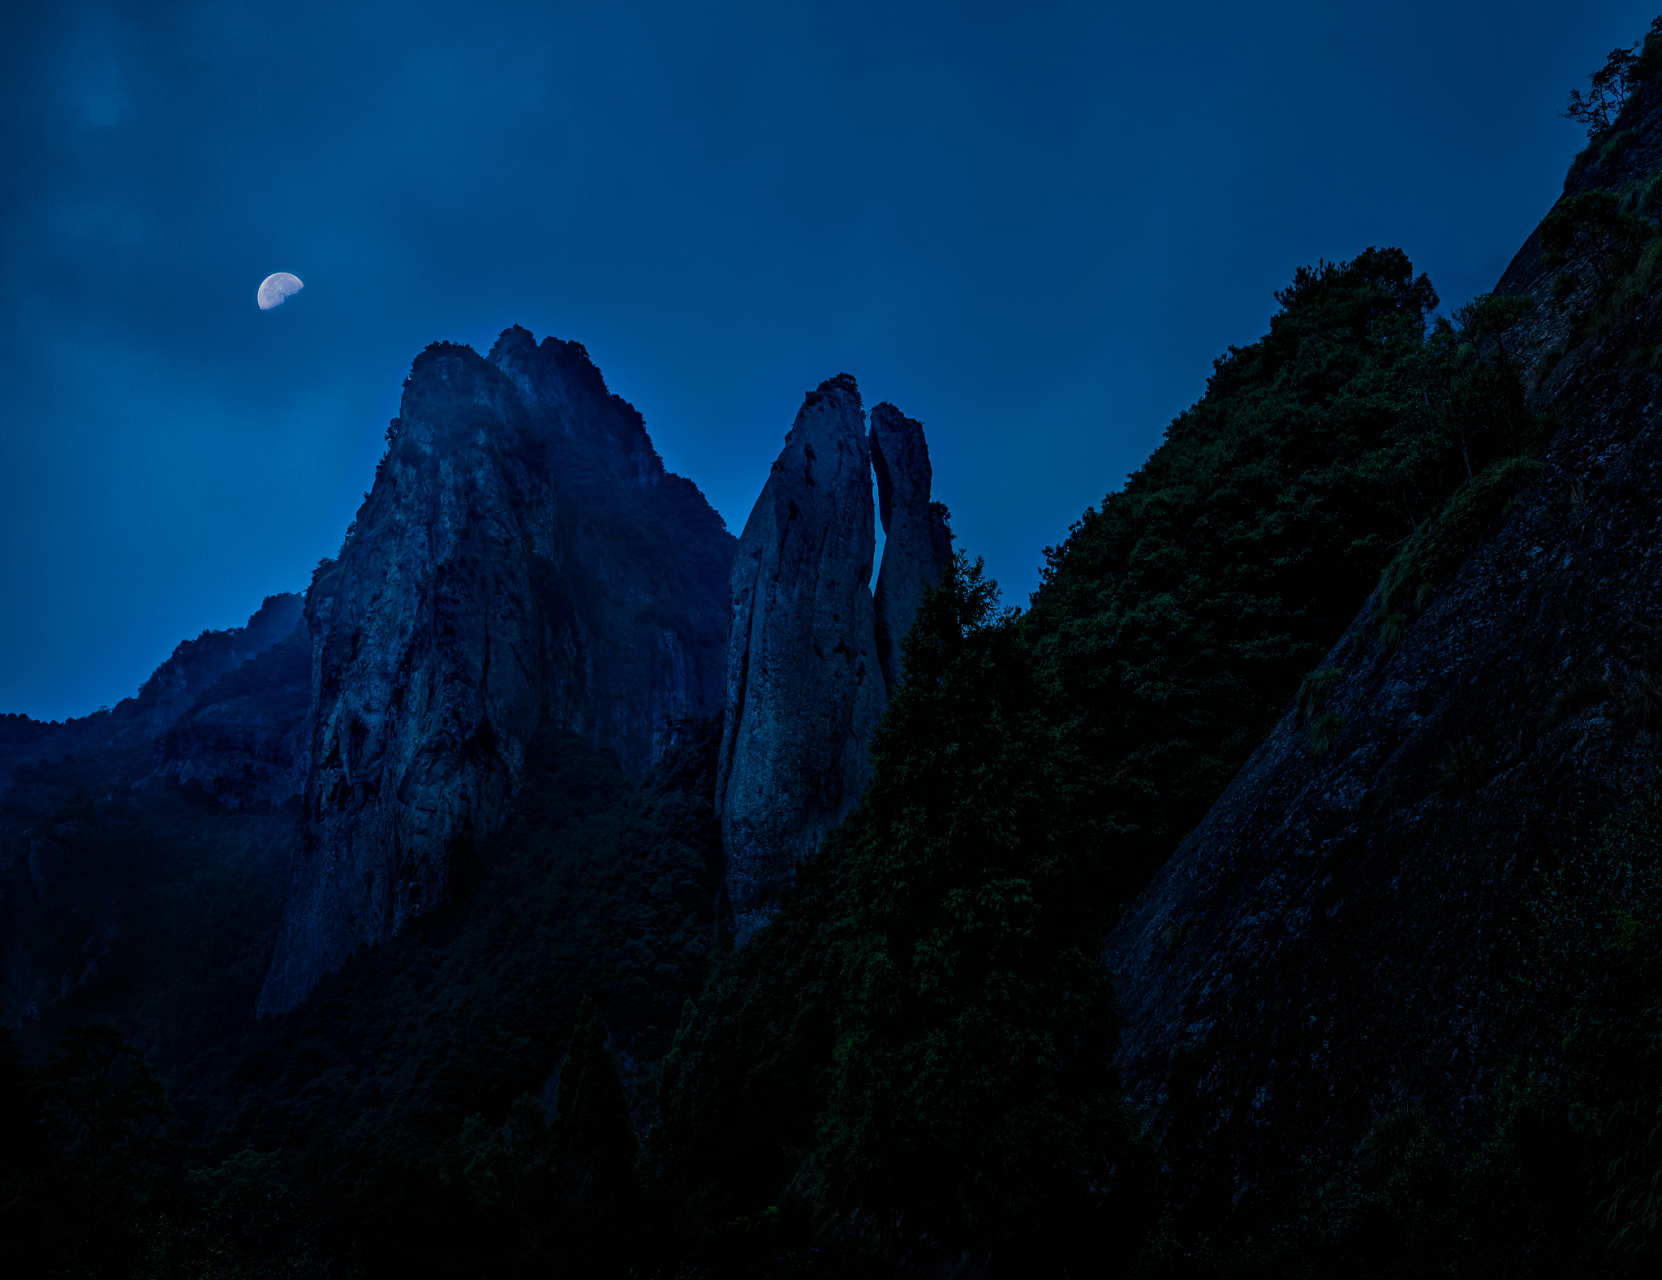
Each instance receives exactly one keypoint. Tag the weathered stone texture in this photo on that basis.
(804, 690)
(1325, 945)
(244, 740)
(196, 664)
(522, 555)
(918, 545)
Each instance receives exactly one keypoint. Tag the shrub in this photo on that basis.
(1393, 630)
(1583, 159)
(1442, 543)
(1392, 1137)
(1315, 689)
(1617, 144)
(1323, 731)
(1460, 771)
(1590, 976)
(1642, 702)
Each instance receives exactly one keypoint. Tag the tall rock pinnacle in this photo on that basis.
(804, 690)
(523, 558)
(919, 545)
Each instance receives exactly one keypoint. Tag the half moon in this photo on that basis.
(275, 287)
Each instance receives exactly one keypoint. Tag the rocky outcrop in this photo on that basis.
(522, 558)
(243, 740)
(91, 823)
(196, 664)
(127, 734)
(804, 690)
(918, 544)
(1325, 946)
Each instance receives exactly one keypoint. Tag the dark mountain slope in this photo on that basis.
(523, 559)
(1174, 623)
(101, 813)
(1325, 946)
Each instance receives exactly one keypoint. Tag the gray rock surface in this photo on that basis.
(804, 690)
(918, 544)
(522, 556)
(1324, 946)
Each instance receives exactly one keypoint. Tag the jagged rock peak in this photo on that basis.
(483, 591)
(918, 548)
(803, 687)
(560, 376)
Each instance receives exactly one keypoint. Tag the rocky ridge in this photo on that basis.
(1324, 947)
(804, 691)
(220, 721)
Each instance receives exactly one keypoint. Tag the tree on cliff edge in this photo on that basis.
(1611, 85)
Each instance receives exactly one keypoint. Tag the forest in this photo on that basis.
(911, 1069)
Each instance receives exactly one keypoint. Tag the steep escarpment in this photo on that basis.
(813, 656)
(918, 544)
(243, 740)
(804, 690)
(1327, 945)
(523, 559)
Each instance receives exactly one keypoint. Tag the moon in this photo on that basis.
(276, 287)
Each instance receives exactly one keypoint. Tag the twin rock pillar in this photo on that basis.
(811, 656)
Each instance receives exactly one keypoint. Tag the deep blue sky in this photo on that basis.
(1030, 225)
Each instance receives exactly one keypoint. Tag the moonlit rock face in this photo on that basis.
(275, 287)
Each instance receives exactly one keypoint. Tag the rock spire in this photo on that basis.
(918, 546)
(804, 691)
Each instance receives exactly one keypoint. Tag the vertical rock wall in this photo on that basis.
(523, 555)
(804, 691)
(918, 545)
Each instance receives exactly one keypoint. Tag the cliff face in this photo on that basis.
(804, 690)
(1324, 946)
(811, 655)
(918, 545)
(523, 557)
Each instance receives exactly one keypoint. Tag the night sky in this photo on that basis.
(1030, 225)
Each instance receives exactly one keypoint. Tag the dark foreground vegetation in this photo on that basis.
(571, 1071)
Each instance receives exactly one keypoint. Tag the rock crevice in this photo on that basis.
(804, 690)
